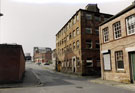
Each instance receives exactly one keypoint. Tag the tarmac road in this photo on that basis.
(54, 82)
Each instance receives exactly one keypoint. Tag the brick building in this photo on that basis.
(77, 43)
(12, 63)
(42, 54)
(117, 46)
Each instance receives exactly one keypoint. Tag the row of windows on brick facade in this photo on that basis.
(71, 35)
(69, 47)
(130, 25)
(75, 33)
(89, 62)
(91, 17)
(90, 31)
(68, 26)
(89, 44)
(68, 62)
(74, 20)
(76, 45)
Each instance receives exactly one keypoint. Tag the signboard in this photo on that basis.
(107, 62)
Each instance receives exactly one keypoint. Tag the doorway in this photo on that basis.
(73, 64)
(132, 66)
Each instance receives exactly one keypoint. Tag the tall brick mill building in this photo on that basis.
(117, 45)
(77, 43)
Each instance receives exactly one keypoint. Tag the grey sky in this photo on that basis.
(35, 24)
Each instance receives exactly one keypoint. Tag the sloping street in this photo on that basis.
(49, 81)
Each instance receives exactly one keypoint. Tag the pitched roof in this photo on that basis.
(120, 13)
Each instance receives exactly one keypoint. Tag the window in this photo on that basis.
(117, 30)
(74, 45)
(88, 44)
(65, 40)
(88, 30)
(70, 35)
(77, 44)
(62, 41)
(97, 18)
(62, 51)
(70, 46)
(62, 32)
(97, 45)
(74, 20)
(77, 18)
(119, 60)
(67, 37)
(130, 22)
(89, 62)
(67, 26)
(71, 23)
(97, 31)
(67, 48)
(74, 33)
(88, 16)
(77, 31)
(105, 34)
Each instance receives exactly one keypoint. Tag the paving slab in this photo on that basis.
(113, 83)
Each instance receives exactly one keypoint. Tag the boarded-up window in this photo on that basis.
(107, 62)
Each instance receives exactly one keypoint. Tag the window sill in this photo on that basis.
(121, 71)
(131, 34)
(117, 38)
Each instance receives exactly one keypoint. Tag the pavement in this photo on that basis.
(29, 80)
(113, 83)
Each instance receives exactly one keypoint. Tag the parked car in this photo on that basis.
(46, 63)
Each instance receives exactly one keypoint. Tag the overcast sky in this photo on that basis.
(35, 22)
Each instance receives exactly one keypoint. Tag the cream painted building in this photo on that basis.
(117, 46)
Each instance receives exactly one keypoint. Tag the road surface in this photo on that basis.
(55, 82)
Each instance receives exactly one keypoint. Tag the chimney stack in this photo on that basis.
(92, 7)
